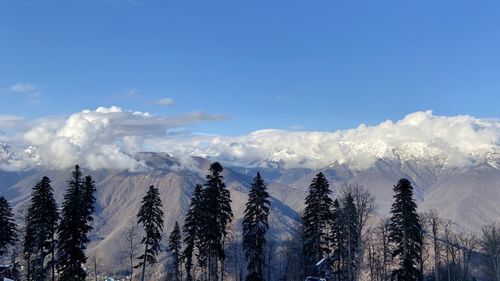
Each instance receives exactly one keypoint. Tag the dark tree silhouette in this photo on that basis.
(316, 219)
(7, 226)
(39, 242)
(191, 228)
(214, 222)
(405, 231)
(151, 217)
(174, 247)
(75, 224)
(255, 226)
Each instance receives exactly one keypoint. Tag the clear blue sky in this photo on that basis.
(320, 65)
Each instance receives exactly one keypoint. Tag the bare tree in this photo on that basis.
(292, 255)
(490, 244)
(447, 238)
(270, 250)
(434, 223)
(95, 267)
(131, 241)
(21, 217)
(365, 207)
(468, 243)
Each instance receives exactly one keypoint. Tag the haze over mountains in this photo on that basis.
(453, 163)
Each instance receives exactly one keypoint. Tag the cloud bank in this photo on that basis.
(101, 138)
(455, 141)
(109, 138)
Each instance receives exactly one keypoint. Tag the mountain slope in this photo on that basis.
(468, 195)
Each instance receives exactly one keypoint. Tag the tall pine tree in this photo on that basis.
(215, 219)
(337, 240)
(7, 226)
(255, 226)
(151, 217)
(316, 219)
(72, 233)
(191, 230)
(174, 246)
(88, 208)
(350, 228)
(40, 230)
(405, 232)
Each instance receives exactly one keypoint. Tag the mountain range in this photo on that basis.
(469, 195)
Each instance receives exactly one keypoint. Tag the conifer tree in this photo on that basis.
(350, 227)
(191, 229)
(316, 219)
(255, 226)
(28, 248)
(215, 219)
(40, 230)
(151, 217)
(88, 202)
(337, 239)
(7, 226)
(174, 246)
(76, 216)
(405, 232)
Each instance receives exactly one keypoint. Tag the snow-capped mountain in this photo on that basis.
(453, 163)
(468, 195)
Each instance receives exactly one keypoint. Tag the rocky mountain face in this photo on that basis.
(470, 196)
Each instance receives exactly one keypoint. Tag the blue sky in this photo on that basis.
(313, 65)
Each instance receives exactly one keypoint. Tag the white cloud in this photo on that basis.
(23, 88)
(456, 140)
(7, 120)
(108, 137)
(165, 101)
(27, 89)
(102, 138)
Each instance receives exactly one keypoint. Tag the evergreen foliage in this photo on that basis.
(174, 246)
(350, 227)
(42, 218)
(337, 239)
(316, 219)
(405, 232)
(255, 226)
(150, 215)
(74, 227)
(191, 230)
(215, 219)
(8, 233)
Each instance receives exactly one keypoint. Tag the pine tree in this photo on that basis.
(350, 227)
(76, 216)
(7, 226)
(174, 246)
(405, 232)
(255, 226)
(191, 229)
(29, 248)
(215, 219)
(151, 217)
(316, 219)
(337, 239)
(88, 208)
(40, 230)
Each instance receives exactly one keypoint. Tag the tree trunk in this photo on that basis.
(269, 263)
(144, 261)
(53, 261)
(95, 268)
(28, 268)
(131, 267)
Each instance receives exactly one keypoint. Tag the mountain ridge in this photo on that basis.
(466, 194)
